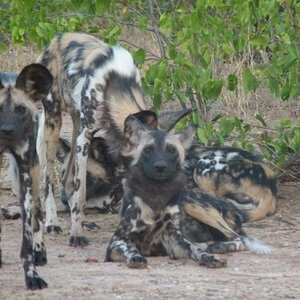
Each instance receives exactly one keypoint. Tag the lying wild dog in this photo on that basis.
(104, 174)
(234, 175)
(99, 86)
(18, 136)
(231, 174)
(160, 217)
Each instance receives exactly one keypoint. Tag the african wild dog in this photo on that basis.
(104, 174)
(234, 175)
(230, 174)
(160, 217)
(99, 86)
(18, 136)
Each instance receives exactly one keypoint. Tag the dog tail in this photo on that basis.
(209, 215)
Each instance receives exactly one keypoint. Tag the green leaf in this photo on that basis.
(261, 120)
(116, 30)
(260, 41)
(285, 123)
(285, 91)
(102, 6)
(212, 89)
(232, 82)
(139, 56)
(3, 47)
(202, 136)
(250, 82)
(181, 96)
(295, 91)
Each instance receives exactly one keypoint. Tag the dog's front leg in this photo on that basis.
(78, 198)
(28, 176)
(178, 246)
(121, 248)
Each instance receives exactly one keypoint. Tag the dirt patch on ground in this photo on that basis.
(82, 274)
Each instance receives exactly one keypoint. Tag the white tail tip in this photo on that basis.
(256, 246)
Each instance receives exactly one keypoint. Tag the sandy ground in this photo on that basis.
(80, 273)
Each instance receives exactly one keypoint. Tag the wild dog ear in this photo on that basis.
(134, 129)
(148, 118)
(35, 80)
(168, 119)
(186, 136)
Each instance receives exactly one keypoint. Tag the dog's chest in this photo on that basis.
(149, 224)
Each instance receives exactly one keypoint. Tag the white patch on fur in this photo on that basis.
(123, 63)
(256, 246)
(248, 206)
(174, 209)
(231, 155)
(146, 211)
(72, 68)
(50, 207)
(22, 149)
(98, 202)
(76, 94)
(41, 143)
(38, 238)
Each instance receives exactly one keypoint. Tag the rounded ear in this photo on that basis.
(35, 80)
(134, 129)
(186, 136)
(148, 118)
(168, 119)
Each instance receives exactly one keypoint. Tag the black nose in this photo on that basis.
(160, 166)
(7, 130)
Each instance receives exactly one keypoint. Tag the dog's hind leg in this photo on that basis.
(178, 246)
(53, 122)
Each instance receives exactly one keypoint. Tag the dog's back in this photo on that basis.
(236, 176)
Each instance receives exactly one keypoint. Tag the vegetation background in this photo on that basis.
(237, 63)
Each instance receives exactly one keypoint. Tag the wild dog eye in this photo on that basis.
(171, 149)
(148, 149)
(20, 109)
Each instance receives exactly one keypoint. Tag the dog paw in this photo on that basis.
(211, 261)
(35, 283)
(78, 241)
(91, 226)
(12, 212)
(53, 229)
(137, 262)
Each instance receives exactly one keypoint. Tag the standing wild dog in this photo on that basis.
(99, 86)
(233, 175)
(18, 136)
(160, 217)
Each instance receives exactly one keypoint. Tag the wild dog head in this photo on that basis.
(18, 113)
(159, 154)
